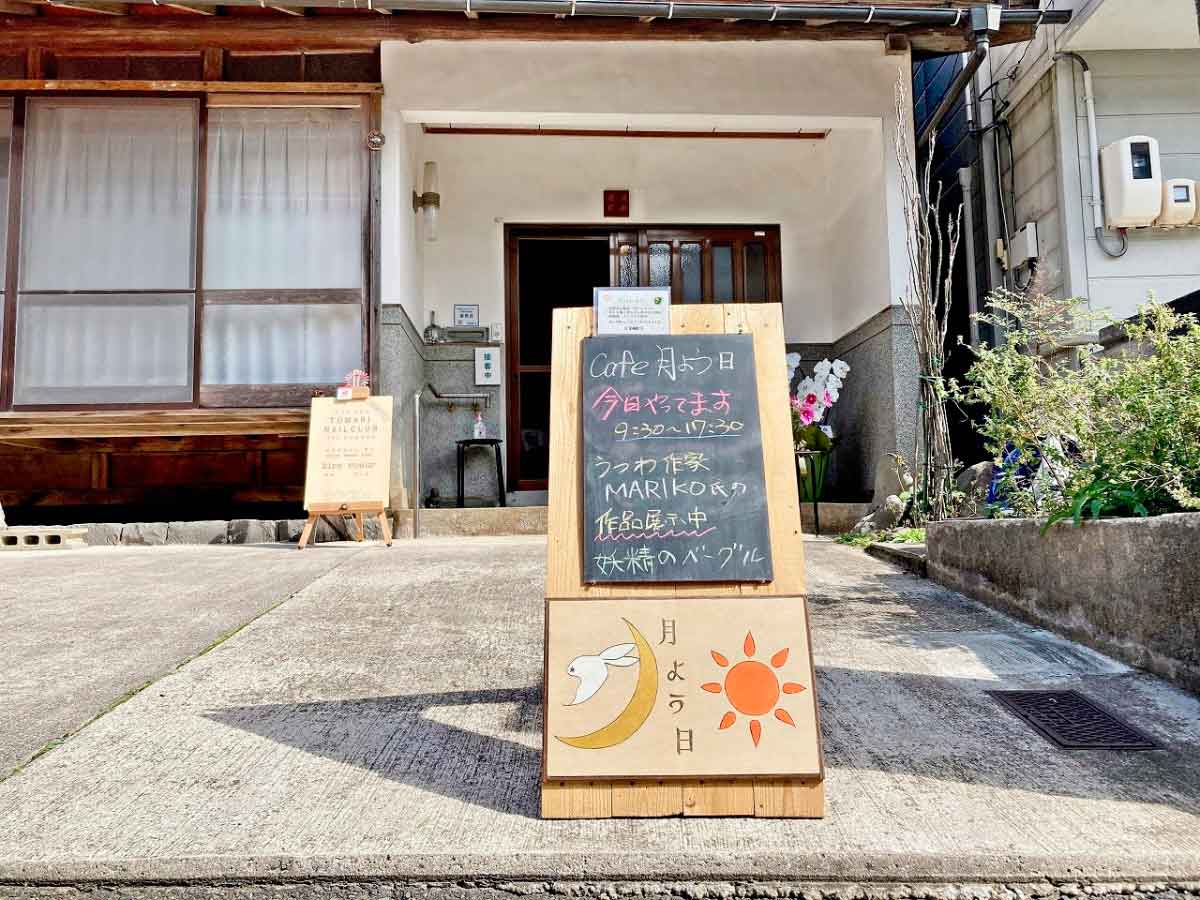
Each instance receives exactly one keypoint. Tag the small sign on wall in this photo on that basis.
(632, 310)
(466, 315)
(487, 365)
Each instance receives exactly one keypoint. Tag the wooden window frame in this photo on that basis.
(214, 397)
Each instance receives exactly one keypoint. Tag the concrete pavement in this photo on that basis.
(379, 733)
(83, 628)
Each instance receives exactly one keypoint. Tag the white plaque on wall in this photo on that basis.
(466, 315)
(632, 310)
(487, 365)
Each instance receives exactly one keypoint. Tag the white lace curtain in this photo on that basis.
(108, 208)
(284, 204)
(284, 211)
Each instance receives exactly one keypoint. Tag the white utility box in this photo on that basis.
(1178, 202)
(1024, 245)
(1132, 179)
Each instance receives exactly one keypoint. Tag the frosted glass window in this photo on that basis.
(280, 343)
(756, 272)
(109, 195)
(284, 204)
(104, 348)
(660, 265)
(689, 266)
(627, 266)
(5, 156)
(722, 262)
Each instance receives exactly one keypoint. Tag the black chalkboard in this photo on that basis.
(673, 480)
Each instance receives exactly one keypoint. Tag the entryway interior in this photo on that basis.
(560, 266)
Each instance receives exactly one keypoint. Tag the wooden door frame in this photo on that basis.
(514, 233)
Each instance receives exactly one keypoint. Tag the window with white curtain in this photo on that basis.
(107, 251)
(112, 304)
(6, 115)
(283, 247)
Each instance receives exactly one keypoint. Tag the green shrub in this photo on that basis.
(1114, 436)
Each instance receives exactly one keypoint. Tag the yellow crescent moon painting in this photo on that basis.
(635, 713)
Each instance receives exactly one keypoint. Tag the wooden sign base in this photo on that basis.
(774, 795)
(358, 510)
(774, 799)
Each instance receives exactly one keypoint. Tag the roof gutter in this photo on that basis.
(984, 20)
(752, 11)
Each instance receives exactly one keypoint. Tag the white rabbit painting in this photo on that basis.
(592, 671)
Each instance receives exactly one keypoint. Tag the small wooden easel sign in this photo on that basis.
(349, 457)
(678, 672)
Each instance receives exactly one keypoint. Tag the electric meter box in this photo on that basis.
(1178, 202)
(1132, 179)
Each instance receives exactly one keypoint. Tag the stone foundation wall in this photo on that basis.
(877, 412)
(1127, 587)
(407, 364)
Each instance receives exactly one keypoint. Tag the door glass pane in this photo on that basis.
(104, 348)
(689, 265)
(756, 272)
(280, 343)
(284, 206)
(722, 263)
(109, 195)
(535, 425)
(660, 265)
(627, 266)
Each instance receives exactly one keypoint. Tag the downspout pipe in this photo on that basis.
(984, 21)
(1089, 103)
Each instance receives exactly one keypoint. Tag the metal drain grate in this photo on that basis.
(1073, 722)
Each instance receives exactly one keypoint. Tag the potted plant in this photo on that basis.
(812, 437)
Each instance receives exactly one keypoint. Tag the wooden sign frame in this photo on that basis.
(358, 508)
(765, 796)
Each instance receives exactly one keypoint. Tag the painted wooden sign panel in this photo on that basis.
(680, 688)
(349, 452)
(673, 463)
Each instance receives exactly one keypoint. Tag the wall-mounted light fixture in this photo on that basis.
(428, 201)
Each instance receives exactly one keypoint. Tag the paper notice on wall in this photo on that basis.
(632, 310)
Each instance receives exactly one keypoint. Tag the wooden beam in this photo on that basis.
(17, 8)
(102, 9)
(313, 33)
(193, 87)
(288, 10)
(627, 133)
(896, 45)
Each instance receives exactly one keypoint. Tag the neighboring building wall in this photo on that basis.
(1154, 93)
(1031, 177)
(1137, 91)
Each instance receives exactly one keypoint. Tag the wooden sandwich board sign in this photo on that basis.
(349, 461)
(678, 667)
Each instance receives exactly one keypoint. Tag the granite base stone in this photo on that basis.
(144, 533)
(204, 532)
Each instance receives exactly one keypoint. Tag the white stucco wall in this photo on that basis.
(836, 201)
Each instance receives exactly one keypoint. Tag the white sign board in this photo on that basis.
(632, 310)
(487, 365)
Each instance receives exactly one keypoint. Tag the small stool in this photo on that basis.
(462, 458)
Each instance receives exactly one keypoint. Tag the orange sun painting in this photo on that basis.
(753, 688)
